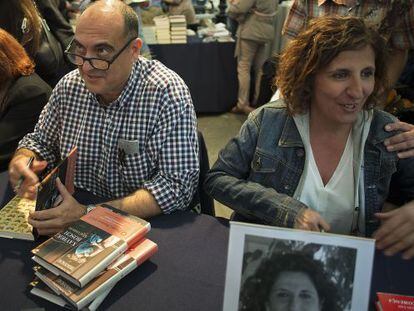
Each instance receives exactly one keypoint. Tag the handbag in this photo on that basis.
(49, 58)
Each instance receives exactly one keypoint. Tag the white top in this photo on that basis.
(335, 201)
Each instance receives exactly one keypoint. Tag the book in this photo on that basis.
(47, 191)
(391, 302)
(13, 219)
(81, 297)
(14, 215)
(40, 289)
(81, 251)
(260, 252)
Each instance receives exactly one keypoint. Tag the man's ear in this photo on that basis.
(136, 47)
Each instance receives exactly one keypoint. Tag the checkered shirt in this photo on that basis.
(401, 36)
(154, 117)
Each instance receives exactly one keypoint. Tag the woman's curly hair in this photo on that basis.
(315, 47)
(14, 61)
(256, 289)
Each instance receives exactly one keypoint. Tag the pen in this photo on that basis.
(21, 178)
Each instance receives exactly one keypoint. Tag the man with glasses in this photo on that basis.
(132, 120)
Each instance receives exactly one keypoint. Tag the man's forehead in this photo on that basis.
(99, 31)
(105, 18)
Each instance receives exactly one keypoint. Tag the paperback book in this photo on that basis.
(40, 289)
(65, 170)
(14, 215)
(391, 302)
(80, 297)
(81, 251)
(13, 219)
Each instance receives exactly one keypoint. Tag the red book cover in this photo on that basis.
(391, 302)
(81, 251)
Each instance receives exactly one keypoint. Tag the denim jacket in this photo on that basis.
(258, 171)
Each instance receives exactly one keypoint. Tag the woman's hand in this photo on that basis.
(308, 219)
(403, 143)
(396, 233)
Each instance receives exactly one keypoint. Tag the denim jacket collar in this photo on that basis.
(290, 135)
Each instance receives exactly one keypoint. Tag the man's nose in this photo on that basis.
(86, 66)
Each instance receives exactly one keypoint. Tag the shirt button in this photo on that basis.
(287, 187)
(300, 152)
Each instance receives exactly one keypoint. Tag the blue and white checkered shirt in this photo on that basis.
(145, 139)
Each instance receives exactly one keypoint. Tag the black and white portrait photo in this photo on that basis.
(278, 269)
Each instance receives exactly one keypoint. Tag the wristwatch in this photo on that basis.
(89, 207)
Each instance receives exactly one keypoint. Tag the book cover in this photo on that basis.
(81, 251)
(13, 219)
(80, 297)
(47, 191)
(40, 289)
(391, 302)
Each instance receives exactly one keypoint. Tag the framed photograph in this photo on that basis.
(273, 269)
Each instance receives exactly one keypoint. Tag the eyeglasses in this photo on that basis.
(97, 63)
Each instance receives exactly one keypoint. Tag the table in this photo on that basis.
(187, 273)
(209, 70)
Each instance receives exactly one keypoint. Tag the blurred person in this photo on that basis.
(182, 7)
(132, 120)
(43, 40)
(22, 96)
(316, 160)
(289, 282)
(255, 30)
(393, 19)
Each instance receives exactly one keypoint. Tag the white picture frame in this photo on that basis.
(348, 260)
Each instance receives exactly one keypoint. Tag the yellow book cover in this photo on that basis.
(13, 219)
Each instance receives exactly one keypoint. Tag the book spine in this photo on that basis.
(98, 300)
(110, 283)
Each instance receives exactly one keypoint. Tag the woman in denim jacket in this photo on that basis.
(317, 160)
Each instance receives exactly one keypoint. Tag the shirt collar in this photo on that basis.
(290, 136)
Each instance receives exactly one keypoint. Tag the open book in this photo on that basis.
(13, 216)
(13, 219)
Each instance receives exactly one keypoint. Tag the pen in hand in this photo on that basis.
(21, 178)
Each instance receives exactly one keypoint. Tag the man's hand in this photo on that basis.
(308, 219)
(403, 142)
(396, 233)
(18, 168)
(53, 220)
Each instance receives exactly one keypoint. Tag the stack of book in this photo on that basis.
(178, 29)
(79, 266)
(162, 29)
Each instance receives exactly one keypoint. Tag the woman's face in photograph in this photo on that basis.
(293, 291)
(342, 88)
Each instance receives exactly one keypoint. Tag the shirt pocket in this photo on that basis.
(135, 166)
(263, 169)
